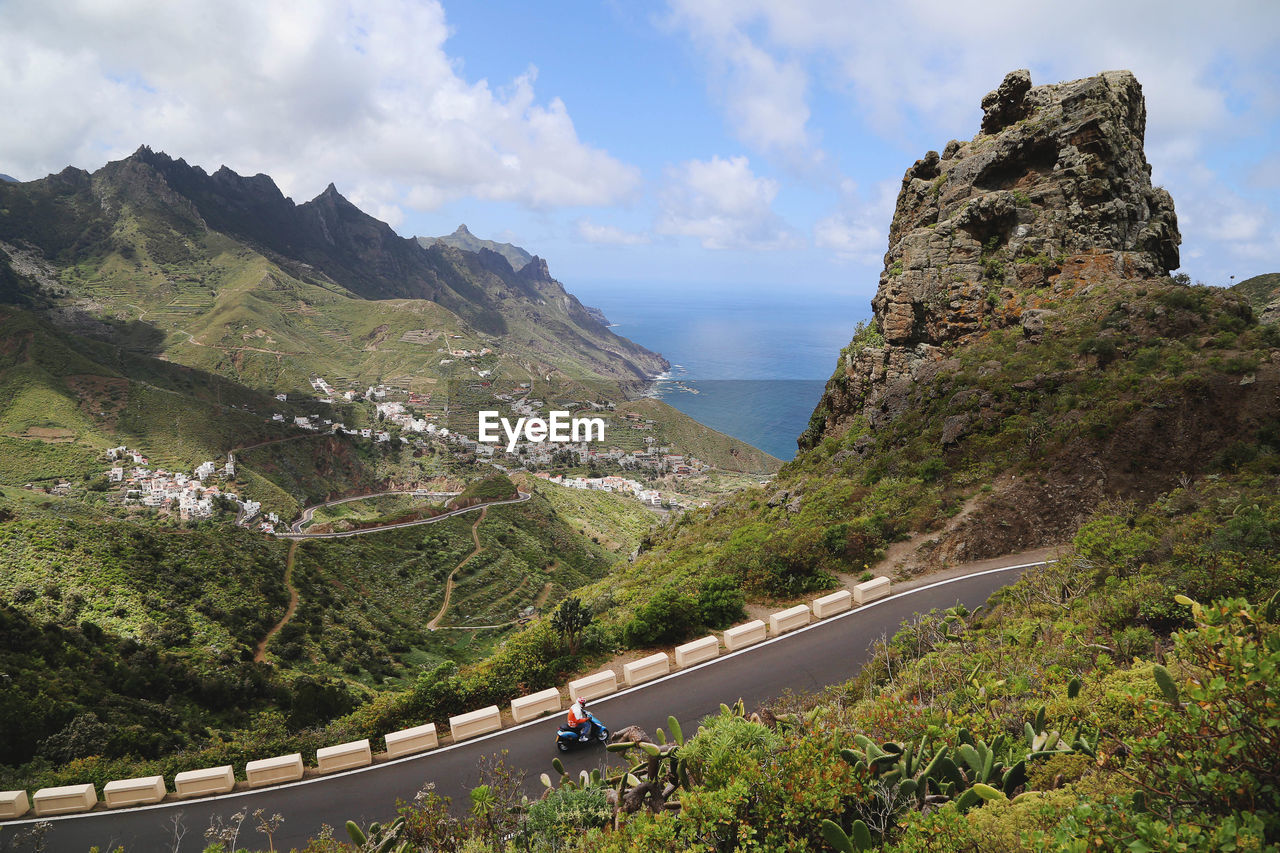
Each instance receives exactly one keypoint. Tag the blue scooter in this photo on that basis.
(593, 731)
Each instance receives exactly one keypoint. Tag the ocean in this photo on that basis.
(751, 364)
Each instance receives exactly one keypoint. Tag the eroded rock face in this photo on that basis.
(1054, 192)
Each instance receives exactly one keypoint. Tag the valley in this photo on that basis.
(180, 384)
(1042, 481)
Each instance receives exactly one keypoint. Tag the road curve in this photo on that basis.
(297, 525)
(308, 512)
(824, 653)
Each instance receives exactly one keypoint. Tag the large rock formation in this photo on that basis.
(1054, 194)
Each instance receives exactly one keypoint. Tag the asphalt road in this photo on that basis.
(308, 512)
(826, 652)
(295, 530)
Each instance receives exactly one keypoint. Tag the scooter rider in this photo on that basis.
(578, 716)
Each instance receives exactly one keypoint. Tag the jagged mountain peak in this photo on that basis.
(327, 240)
(463, 238)
(331, 193)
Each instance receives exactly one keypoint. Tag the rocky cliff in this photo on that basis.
(1051, 197)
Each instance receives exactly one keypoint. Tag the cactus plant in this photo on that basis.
(657, 775)
(379, 838)
(841, 841)
(1164, 680)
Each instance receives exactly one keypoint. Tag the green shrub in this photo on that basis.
(721, 602)
(724, 745)
(669, 616)
(1112, 543)
(556, 821)
(1134, 642)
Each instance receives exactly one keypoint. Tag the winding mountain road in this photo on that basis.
(824, 653)
(295, 529)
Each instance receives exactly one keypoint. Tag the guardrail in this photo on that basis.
(211, 781)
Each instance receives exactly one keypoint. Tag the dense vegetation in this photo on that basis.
(129, 644)
(1144, 383)
(1092, 705)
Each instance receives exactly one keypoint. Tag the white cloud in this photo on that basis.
(724, 205)
(917, 69)
(308, 91)
(859, 230)
(1237, 226)
(848, 237)
(931, 56)
(765, 96)
(609, 234)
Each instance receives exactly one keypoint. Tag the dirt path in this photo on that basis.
(277, 441)
(261, 653)
(903, 559)
(448, 584)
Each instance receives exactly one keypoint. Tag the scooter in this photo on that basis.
(593, 731)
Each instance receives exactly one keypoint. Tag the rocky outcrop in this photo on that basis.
(1054, 194)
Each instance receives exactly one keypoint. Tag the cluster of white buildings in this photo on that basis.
(324, 389)
(607, 484)
(192, 496)
(399, 415)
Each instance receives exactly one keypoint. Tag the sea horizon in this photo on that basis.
(750, 363)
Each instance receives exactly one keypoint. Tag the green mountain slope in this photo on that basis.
(1011, 381)
(227, 264)
(1261, 290)
(1263, 293)
(65, 399)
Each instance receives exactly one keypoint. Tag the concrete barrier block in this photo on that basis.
(210, 780)
(594, 686)
(830, 605)
(535, 705)
(272, 771)
(67, 799)
(746, 634)
(789, 619)
(871, 590)
(13, 803)
(697, 651)
(646, 669)
(133, 792)
(409, 741)
(475, 723)
(344, 756)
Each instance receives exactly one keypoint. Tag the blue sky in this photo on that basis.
(701, 143)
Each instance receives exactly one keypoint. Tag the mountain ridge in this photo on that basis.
(152, 209)
(462, 238)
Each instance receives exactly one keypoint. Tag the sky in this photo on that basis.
(716, 144)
